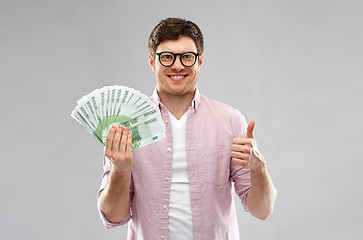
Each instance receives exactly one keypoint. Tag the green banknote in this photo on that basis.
(120, 105)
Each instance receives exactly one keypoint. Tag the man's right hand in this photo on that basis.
(119, 149)
(114, 200)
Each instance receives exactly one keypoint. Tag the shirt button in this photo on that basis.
(166, 120)
(166, 178)
(164, 207)
(168, 149)
(162, 237)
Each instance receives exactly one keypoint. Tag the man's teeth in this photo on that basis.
(176, 77)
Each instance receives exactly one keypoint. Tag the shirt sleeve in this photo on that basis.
(106, 171)
(240, 175)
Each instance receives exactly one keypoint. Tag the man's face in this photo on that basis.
(176, 79)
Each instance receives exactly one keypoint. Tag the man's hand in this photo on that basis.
(114, 200)
(262, 194)
(119, 149)
(245, 152)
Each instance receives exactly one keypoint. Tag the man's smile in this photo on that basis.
(177, 77)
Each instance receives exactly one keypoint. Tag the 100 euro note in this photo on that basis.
(120, 105)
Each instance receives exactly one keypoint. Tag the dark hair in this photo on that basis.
(173, 29)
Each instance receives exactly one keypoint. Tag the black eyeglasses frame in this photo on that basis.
(180, 58)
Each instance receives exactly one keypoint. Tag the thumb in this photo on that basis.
(250, 128)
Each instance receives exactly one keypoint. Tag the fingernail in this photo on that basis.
(120, 126)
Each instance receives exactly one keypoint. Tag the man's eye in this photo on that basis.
(167, 56)
(188, 56)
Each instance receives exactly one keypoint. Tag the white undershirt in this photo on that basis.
(180, 215)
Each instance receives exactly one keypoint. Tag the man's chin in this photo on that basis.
(181, 92)
(176, 91)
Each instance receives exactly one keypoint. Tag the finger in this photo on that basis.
(250, 128)
(129, 144)
(243, 141)
(116, 139)
(240, 155)
(123, 140)
(109, 139)
(240, 162)
(241, 148)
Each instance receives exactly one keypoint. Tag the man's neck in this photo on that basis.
(176, 104)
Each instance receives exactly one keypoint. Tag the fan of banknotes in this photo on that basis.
(120, 105)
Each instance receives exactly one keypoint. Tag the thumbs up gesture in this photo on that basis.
(245, 152)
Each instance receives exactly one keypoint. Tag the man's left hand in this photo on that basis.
(245, 152)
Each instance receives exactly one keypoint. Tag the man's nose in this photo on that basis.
(177, 64)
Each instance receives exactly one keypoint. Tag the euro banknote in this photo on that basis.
(120, 105)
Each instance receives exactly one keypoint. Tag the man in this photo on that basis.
(181, 186)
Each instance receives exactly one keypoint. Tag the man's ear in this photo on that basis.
(152, 62)
(200, 61)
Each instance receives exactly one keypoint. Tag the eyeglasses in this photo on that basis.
(167, 59)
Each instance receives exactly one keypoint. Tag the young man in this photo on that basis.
(181, 186)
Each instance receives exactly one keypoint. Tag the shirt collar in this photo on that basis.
(195, 102)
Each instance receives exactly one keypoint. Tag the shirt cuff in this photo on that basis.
(244, 202)
(106, 222)
(109, 224)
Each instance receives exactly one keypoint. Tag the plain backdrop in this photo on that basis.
(295, 67)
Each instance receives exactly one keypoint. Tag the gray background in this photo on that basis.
(295, 67)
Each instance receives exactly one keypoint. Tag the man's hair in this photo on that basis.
(173, 29)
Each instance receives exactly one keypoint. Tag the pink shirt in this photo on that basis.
(211, 127)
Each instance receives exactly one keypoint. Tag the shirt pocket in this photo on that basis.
(215, 165)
